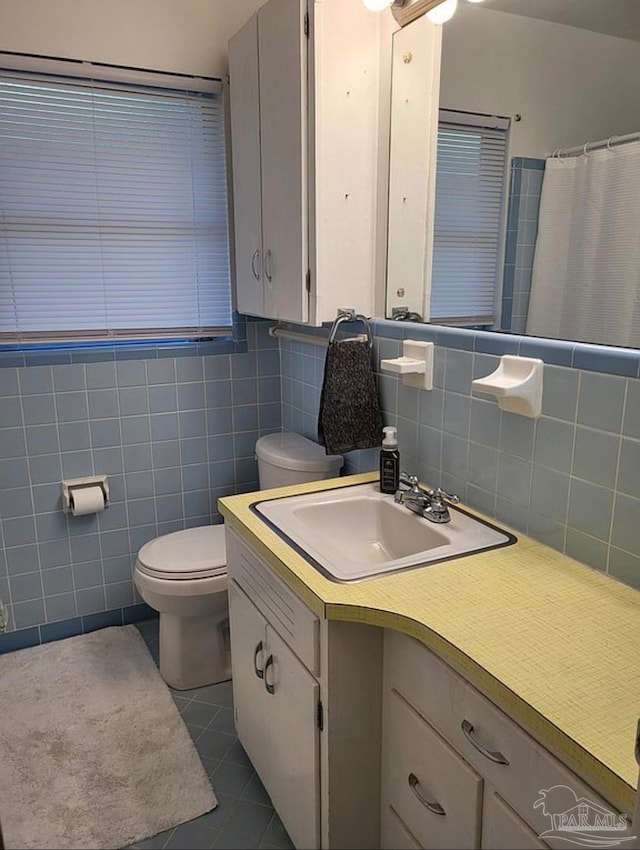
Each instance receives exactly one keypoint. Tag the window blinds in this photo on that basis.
(113, 211)
(467, 252)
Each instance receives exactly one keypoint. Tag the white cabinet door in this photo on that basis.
(250, 697)
(267, 69)
(412, 168)
(282, 47)
(247, 191)
(275, 703)
(502, 828)
(294, 784)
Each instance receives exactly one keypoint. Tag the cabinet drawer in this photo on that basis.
(434, 792)
(448, 702)
(288, 615)
(532, 774)
(504, 829)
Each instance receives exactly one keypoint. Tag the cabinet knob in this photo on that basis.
(496, 757)
(414, 784)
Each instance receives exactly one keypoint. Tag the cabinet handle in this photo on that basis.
(268, 266)
(414, 784)
(496, 757)
(268, 686)
(255, 256)
(259, 671)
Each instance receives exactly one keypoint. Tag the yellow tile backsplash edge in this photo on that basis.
(553, 643)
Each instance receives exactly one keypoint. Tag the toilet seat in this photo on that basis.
(195, 553)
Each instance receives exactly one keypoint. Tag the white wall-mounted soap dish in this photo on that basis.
(415, 366)
(516, 384)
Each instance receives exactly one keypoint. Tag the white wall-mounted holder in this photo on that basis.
(415, 366)
(85, 495)
(516, 384)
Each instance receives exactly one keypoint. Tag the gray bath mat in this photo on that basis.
(93, 751)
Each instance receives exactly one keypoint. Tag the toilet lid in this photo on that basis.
(193, 553)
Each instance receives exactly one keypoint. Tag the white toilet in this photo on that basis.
(183, 575)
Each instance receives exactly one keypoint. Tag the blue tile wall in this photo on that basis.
(175, 433)
(525, 188)
(569, 479)
(172, 430)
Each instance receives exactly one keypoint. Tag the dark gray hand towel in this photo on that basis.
(349, 415)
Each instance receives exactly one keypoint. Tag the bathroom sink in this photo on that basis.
(357, 532)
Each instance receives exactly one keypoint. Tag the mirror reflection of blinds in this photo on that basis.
(113, 205)
(467, 252)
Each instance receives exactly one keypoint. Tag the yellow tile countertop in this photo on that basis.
(553, 643)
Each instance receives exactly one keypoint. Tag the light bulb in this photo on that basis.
(476, 1)
(443, 13)
(377, 5)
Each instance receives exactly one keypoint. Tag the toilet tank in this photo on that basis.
(289, 458)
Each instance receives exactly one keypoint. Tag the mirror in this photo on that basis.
(557, 75)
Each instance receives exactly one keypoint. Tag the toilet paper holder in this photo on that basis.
(71, 484)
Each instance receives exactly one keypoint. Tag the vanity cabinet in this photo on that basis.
(315, 746)
(456, 771)
(304, 105)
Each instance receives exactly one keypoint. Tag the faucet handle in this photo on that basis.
(440, 495)
(410, 481)
(413, 490)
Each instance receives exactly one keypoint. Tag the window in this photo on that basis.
(468, 237)
(113, 208)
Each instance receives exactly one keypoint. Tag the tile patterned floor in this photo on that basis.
(244, 817)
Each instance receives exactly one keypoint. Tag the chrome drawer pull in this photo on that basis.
(268, 269)
(267, 685)
(254, 258)
(414, 783)
(258, 670)
(498, 758)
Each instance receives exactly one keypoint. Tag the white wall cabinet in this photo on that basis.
(456, 771)
(304, 95)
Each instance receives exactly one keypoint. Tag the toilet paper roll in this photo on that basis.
(86, 500)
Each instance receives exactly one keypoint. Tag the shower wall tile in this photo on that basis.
(522, 228)
(169, 431)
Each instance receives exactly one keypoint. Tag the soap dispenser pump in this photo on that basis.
(389, 461)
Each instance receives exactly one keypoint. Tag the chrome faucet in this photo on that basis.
(430, 504)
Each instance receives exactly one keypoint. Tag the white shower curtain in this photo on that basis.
(586, 271)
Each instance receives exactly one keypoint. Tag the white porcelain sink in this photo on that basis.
(357, 532)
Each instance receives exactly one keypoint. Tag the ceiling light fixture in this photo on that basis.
(405, 11)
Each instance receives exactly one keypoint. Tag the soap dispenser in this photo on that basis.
(389, 461)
